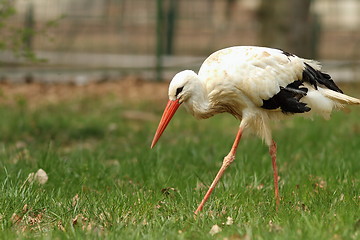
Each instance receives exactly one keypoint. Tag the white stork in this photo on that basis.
(256, 85)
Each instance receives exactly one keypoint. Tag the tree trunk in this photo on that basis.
(289, 25)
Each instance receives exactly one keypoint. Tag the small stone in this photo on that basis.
(215, 229)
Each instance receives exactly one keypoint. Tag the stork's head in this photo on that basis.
(181, 86)
(180, 90)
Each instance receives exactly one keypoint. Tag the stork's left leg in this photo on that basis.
(272, 151)
(227, 161)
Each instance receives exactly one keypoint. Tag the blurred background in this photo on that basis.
(103, 40)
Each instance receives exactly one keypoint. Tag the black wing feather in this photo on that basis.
(288, 99)
(315, 76)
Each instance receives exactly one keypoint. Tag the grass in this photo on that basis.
(105, 182)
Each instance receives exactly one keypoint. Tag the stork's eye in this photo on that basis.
(178, 90)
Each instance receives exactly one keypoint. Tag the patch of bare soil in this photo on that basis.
(128, 89)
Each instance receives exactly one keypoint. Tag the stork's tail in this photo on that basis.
(340, 98)
(323, 101)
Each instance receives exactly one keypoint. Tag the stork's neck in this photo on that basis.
(198, 103)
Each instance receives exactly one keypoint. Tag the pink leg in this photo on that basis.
(272, 151)
(227, 161)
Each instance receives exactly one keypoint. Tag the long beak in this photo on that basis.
(169, 112)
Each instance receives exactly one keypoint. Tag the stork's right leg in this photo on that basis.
(272, 151)
(227, 161)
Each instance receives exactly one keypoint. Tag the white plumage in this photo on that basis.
(256, 85)
(238, 79)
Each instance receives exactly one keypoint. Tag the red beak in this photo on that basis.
(169, 112)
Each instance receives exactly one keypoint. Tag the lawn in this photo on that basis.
(104, 181)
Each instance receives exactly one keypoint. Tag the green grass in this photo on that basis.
(91, 150)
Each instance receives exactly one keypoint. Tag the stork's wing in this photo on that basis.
(259, 73)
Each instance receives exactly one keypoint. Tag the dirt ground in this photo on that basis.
(127, 89)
